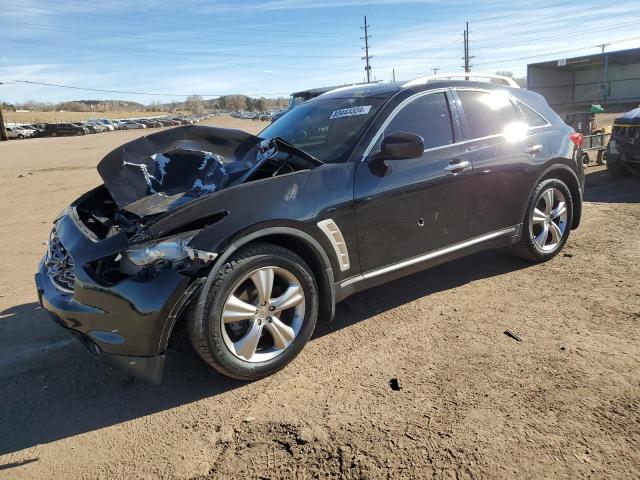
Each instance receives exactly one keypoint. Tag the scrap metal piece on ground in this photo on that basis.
(509, 333)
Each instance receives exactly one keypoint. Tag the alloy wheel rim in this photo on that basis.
(263, 314)
(549, 220)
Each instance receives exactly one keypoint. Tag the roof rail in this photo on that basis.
(465, 75)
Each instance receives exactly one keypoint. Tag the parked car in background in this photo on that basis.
(19, 133)
(146, 123)
(64, 129)
(37, 127)
(101, 127)
(129, 125)
(276, 115)
(90, 128)
(111, 126)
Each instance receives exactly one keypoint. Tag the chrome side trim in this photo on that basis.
(429, 256)
(333, 233)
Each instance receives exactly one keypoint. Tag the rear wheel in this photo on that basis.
(585, 160)
(20, 136)
(259, 312)
(547, 224)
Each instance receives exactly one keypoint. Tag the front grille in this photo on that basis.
(59, 264)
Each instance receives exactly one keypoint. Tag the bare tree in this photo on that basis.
(194, 104)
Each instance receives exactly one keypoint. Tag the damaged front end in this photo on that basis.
(111, 274)
(149, 178)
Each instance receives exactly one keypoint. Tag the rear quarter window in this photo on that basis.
(487, 113)
(532, 118)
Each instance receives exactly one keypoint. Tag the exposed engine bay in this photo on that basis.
(154, 175)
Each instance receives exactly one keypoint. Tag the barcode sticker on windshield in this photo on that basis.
(348, 112)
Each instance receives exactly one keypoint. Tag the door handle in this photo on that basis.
(457, 166)
(533, 149)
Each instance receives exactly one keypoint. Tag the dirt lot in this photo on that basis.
(562, 403)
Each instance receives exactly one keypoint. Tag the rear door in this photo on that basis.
(405, 208)
(504, 153)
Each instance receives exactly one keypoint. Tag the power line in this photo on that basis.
(499, 31)
(557, 52)
(580, 32)
(101, 90)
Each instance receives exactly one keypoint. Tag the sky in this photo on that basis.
(175, 48)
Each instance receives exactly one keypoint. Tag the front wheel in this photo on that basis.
(260, 310)
(547, 224)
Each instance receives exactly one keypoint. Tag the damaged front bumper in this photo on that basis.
(126, 324)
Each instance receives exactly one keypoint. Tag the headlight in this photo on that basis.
(171, 248)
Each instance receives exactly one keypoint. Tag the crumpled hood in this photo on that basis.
(158, 172)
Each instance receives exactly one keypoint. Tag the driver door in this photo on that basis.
(410, 207)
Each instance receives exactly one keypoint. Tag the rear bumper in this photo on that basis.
(126, 325)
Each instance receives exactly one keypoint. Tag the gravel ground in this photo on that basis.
(564, 402)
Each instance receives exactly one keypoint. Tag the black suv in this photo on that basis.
(60, 129)
(250, 239)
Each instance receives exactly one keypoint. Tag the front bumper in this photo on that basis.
(126, 324)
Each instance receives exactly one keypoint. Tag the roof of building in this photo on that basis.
(619, 57)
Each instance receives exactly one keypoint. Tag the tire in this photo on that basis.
(585, 160)
(602, 157)
(54, 134)
(534, 244)
(20, 137)
(227, 346)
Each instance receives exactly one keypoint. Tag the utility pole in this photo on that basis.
(467, 57)
(605, 73)
(394, 75)
(366, 57)
(3, 131)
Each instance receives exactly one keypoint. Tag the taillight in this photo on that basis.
(576, 138)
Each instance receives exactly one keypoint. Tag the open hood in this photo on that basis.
(158, 172)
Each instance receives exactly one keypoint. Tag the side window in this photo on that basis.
(487, 113)
(532, 118)
(427, 116)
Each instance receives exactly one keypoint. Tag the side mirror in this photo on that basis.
(401, 146)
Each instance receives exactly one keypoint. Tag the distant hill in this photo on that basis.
(194, 104)
(99, 105)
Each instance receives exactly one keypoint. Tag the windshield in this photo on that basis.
(327, 129)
